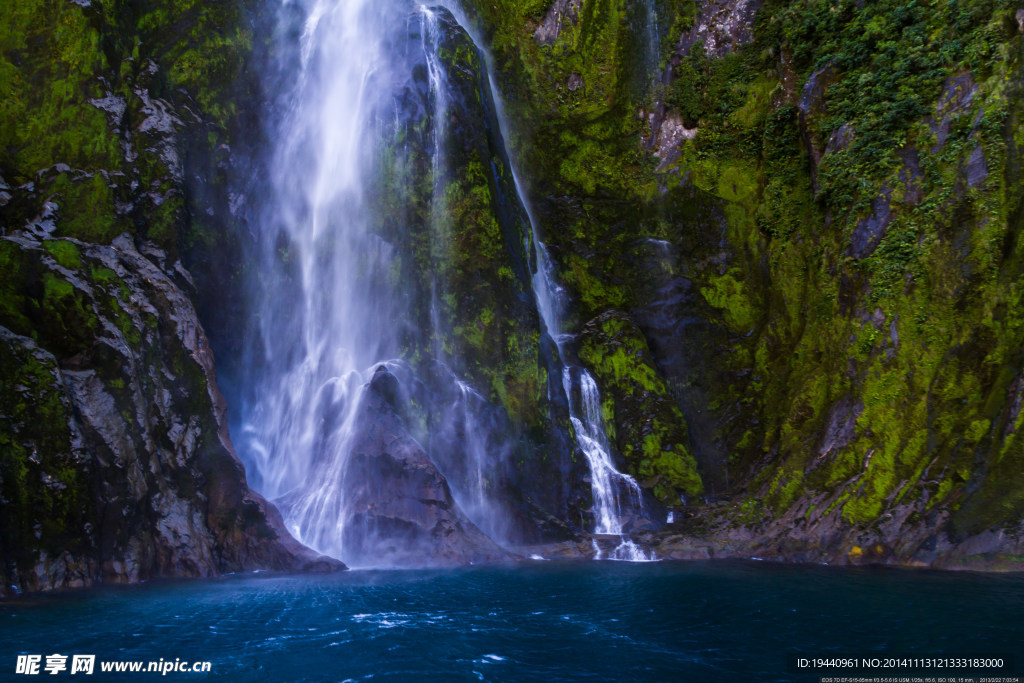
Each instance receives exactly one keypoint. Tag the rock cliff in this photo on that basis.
(115, 460)
(789, 231)
(798, 229)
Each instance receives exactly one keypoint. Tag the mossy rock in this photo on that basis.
(45, 480)
(645, 423)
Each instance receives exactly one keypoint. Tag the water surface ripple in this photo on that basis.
(725, 621)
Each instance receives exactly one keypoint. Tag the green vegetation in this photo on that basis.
(856, 266)
(77, 79)
(47, 500)
(839, 232)
(645, 422)
(90, 138)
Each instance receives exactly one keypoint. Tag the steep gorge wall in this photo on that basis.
(794, 248)
(790, 231)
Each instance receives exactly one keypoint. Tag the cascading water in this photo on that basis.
(609, 484)
(613, 492)
(365, 98)
(334, 307)
(328, 310)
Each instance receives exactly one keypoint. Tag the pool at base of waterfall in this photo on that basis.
(678, 621)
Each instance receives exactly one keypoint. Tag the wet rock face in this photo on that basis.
(669, 136)
(956, 99)
(562, 12)
(813, 106)
(647, 425)
(116, 461)
(722, 25)
(400, 508)
(976, 169)
(908, 536)
(870, 231)
(490, 318)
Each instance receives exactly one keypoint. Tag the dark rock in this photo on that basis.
(722, 25)
(976, 170)
(812, 97)
(813, 107)
(667, 137)
(562, 12)
(956, 98)
(910, 176)
(839, 140)
(1014, 401)
(840, 430)
(386, 386)
(400, 510)
(870, 230)
(133, 444)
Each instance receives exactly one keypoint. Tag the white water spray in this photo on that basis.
(324, 340)
(332, 304)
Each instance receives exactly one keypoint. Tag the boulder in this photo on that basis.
(396, 506)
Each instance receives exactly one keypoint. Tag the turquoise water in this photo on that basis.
(716, 621)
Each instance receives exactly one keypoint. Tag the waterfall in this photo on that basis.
(614, 492)
(357, 80)
(327, 307)
(361, 121)
(609, 485)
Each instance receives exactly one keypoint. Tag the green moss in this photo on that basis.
(165, 221)
(48, 55)
(594, 292)
(103, 275)
(782, 494)
(749, 512)
(727, 294)
(640, 414)
(14, 306)
(758, 104)
(676, 471)
(68, 310)
(519, 382)
(877, 485)
(65, 252)
(45, 491)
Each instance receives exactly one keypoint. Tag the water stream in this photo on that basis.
(614, 492)
(327, 309)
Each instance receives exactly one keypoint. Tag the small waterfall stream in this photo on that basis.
(614, 492)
